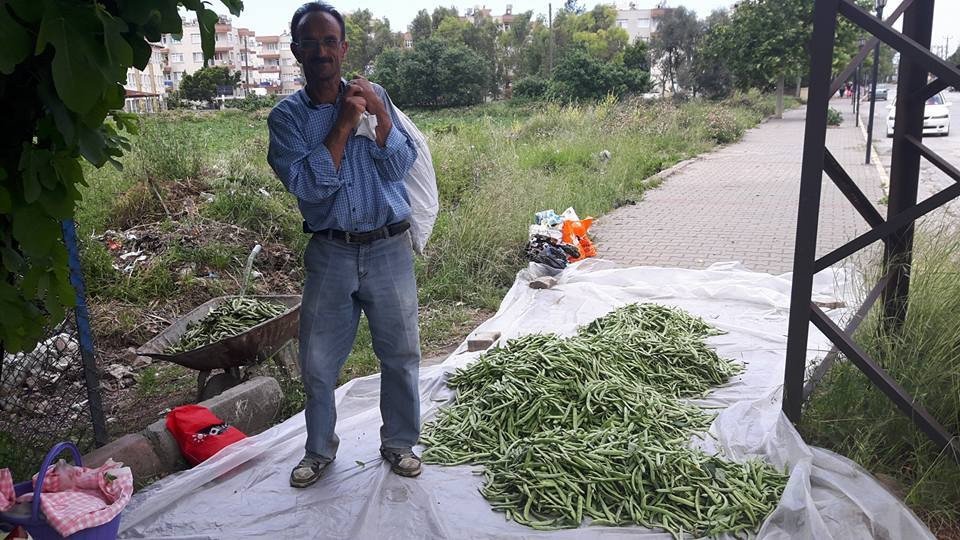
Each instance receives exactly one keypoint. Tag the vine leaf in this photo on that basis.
(73, 78)
(16, 42)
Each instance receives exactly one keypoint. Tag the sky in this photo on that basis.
(273, 16)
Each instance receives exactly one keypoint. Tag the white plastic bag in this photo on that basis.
(421, 184)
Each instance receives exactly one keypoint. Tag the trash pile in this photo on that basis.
(29, 379)
(557, 240)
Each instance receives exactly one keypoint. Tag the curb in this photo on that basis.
(670, 171)
(251, 407)
(876, 161)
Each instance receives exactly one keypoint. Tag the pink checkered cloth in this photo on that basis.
(76, 498)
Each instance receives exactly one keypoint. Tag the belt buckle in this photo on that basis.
(346, 237)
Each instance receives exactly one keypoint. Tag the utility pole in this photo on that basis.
(550, 22)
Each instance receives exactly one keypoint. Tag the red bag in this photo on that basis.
(199, 433)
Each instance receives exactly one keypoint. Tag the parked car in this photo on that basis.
(881, 94)
(936, 117)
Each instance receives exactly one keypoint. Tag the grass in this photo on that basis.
(200, 185)
(849, 415)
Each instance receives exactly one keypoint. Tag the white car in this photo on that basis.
(936, 117)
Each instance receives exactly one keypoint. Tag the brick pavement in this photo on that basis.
(740, 203)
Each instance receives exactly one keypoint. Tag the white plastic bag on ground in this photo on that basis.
(421, 184)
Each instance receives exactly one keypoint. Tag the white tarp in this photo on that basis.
(243, 492)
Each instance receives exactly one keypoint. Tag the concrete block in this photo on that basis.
(133, 450)
(164, 446)
(250, 407)
(481, 341)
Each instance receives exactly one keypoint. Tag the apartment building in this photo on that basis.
(269, 58)
(291, 78)
(145, 90)
(639, 23)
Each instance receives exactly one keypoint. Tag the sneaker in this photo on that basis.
(308, 471)
(402, 461)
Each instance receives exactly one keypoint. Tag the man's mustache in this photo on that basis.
(322, 61)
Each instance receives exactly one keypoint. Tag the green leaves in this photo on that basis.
(78, 54)
(16, 42)
(67, 28)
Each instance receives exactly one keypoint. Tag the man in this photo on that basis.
(351, 194)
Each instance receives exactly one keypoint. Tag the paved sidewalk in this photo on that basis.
(740, 203)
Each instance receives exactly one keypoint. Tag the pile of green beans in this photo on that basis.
(596, 426)
(232, 317)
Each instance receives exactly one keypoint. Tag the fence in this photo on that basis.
(52, 393)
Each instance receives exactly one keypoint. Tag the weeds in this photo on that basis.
(850, 416)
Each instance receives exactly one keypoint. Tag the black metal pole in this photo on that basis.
(905, 164)
(856, 98)
(808, 214)
(873, 91)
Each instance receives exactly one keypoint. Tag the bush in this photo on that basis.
(579, 76)
(530, 88)
(251, 102)
(834, 118)
(433, 74)
(722, 126)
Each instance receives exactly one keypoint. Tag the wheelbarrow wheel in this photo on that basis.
(216, 384)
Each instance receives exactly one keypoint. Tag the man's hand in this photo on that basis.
(376, 107)
(353, 104)
(374, 103)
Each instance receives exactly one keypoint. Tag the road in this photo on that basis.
(932, 179)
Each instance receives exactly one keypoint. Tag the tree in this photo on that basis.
(767, 40)
(441, 13)
(580, 76)
(207, 83)
(674, 44)
(710, 75)
(572, 6)
(953, 59)
(422, 26)
(368, 37)
(637, 56)
(434, 74)
(62, 69)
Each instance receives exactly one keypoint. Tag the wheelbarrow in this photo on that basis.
(247, 348)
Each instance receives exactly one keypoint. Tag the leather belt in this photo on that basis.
(363, 237)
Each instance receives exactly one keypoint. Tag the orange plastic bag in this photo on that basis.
(575, 233)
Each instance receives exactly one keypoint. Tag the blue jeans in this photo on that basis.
(343, 279)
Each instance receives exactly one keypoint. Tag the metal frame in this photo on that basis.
(896, 231)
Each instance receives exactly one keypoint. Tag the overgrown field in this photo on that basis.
(173, 228)
(850, 416)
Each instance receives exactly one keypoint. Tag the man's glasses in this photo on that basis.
(315, 44)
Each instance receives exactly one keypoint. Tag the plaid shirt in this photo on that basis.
(366, 193)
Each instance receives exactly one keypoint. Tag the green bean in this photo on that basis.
(595, 427)
(233, 316)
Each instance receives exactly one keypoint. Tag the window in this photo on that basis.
(194, 38)
(622, 23)
(643, 23)
(176, 58)
(230, 38)
(174, 39)
(198, 57)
